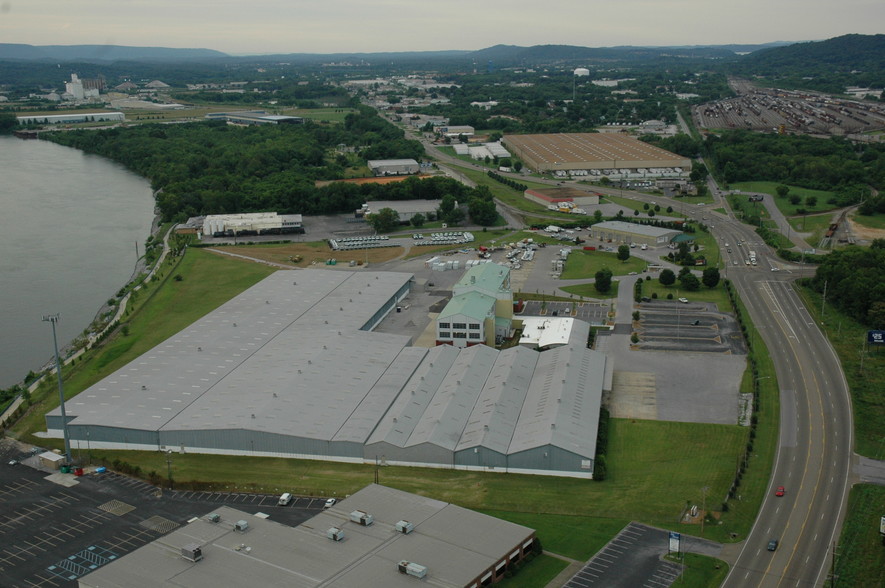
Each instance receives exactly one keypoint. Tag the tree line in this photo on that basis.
(853, 280)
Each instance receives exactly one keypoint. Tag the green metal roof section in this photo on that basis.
(490, 277)
(471, 304)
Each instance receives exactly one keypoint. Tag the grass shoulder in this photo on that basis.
(699, 571)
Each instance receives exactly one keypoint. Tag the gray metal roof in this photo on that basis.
(265, 353)
(493, 419)
(562, 406)
(455, 544)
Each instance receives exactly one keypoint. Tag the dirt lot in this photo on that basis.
(863, 233)
(381, 180)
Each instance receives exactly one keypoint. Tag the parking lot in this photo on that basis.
(695, 327)
(594, 313)
(53, 533)
(635, 558)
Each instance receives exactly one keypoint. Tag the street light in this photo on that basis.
(169, 466)
(53, 318)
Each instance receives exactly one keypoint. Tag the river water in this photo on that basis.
(71, 225)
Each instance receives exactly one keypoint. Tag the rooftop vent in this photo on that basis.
(214, 517)
(335, 534)
(241, 526)
(362, 518)
(412, 569)
(404, 527)
(192, 552)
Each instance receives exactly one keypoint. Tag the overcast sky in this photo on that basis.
(329, 26)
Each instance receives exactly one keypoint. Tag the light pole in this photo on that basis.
(169, 466)
(703, 507)
(53, 318)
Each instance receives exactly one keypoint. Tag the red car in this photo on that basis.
(780, 491)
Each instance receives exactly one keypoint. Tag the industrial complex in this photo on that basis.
(378, 537)
(291, 368)
(598, 154)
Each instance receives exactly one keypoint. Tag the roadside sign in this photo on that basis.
(876, 337)
(881, 526)
(675, 539)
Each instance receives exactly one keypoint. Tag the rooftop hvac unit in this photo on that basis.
(241, 526)
(214, 517)
(192, 552)
(405, 527)
(335, 534)
(362, 518)
(412, 569)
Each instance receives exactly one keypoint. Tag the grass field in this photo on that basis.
(860, 553)
(590, 291)
(582, 264)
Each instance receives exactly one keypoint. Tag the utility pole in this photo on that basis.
(823, 301)
(53, 318)
(169, 466)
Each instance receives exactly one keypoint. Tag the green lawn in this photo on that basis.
(589, 290)
(817, 225)
(716, 295)
(873, 222)
(582, 264)
(535, 574)
(860, 559)
(700, 571)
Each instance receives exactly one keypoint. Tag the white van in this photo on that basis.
(285, 499)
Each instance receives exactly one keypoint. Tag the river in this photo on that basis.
(72, 226)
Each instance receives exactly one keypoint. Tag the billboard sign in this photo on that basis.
(675, 538)
(876, 337)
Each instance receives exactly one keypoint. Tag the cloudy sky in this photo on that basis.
(327, 26)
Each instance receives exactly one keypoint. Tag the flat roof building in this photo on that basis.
(590, 151)
(624, 232)
(393, 167)
(378, 537)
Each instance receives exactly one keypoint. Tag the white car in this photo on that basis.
(775, 269)
(329, 503)
(683, 300)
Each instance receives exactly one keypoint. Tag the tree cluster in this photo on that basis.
(507, 181)
(854, 279)
(800, 160)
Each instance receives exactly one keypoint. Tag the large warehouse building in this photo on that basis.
(377, 538)
(624, 232)
(290, 368)
(611, 152)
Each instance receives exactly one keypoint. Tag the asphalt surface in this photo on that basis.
(55, 528)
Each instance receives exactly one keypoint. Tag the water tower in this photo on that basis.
(580, 72)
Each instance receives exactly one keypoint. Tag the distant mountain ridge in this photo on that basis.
(103, 53)
(868, 51)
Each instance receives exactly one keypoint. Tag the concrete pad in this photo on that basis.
(66, 480)
(633, 396)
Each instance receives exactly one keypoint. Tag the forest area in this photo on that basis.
(212, 168)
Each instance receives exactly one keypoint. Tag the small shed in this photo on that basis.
(51, 460)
